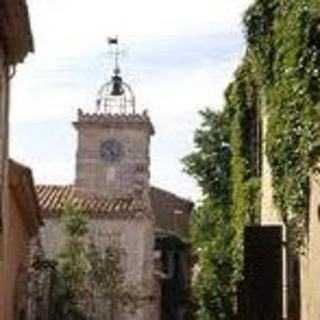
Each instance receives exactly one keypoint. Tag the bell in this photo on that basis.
(117, 88)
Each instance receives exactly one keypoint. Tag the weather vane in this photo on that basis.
(115, 50)
(116, 96)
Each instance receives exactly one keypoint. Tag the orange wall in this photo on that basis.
(3, 177)
(16, 239)
(1, 276)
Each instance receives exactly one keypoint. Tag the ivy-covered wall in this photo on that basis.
(278, 80)
(286, 48)
(227, 166)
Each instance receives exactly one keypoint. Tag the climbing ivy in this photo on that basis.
(278, 82)
(224, 164)
(211, 234)
(291, 99)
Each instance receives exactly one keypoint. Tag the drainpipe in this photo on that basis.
(9, 74)
(4, 131)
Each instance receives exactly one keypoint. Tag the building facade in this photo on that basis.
(293, 274)
(20, 226)
(112, 186)
(19, 211)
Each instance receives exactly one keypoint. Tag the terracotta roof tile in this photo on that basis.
(172, 213)
(53, 197)
(164, 205)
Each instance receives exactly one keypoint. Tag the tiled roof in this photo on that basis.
(22, 187)
(170, 201)
(172, 213)
(52, 198)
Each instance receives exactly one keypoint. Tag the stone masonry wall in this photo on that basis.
(136, 237)
(310, 260)
(269, 214)
(129, 174)
(310, 270)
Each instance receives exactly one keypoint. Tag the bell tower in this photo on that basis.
(113, 157)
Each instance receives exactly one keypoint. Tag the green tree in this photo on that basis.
(114, 289)
(278, 78)
(88, 276)
(70, 288)
(225, 164)
(209, 164)
(212, 234)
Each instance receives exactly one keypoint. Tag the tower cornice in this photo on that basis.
(107, 120)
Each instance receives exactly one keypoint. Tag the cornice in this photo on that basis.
(15, 30)
(114, 120)
(22, 186)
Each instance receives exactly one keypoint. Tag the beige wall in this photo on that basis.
(136, 236)
(310, 260)
(121, 177)
(310, 271)
(269, 213)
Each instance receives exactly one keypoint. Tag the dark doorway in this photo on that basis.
(263, 273)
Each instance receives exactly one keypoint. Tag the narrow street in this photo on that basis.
(159, 160)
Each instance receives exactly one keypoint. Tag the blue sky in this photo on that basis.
(179, 57)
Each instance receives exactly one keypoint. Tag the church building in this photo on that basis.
(112, 186)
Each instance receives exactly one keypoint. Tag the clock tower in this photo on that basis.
(113, 157)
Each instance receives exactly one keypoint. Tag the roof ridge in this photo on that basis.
(170, 193)
(52, 197)
(53, 185)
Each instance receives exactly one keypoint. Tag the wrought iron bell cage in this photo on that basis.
(116, 97)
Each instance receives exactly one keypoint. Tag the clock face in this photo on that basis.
(111, 150)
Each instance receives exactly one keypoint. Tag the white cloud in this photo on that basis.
(52, 172)
(73, 26)
(173, 101)
(58, 79)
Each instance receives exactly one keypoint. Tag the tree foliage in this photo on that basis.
(291, 93)
(224, 164)
(107, 276)
(88, 278)
(278, 81)
(214, 283)
(210, 163)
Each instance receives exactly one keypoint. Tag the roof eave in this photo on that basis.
(15, 30)
(22, 186)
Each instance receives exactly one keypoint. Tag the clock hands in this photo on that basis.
(110, 150)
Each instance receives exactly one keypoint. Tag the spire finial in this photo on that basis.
(115, 51)
(116, 96)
